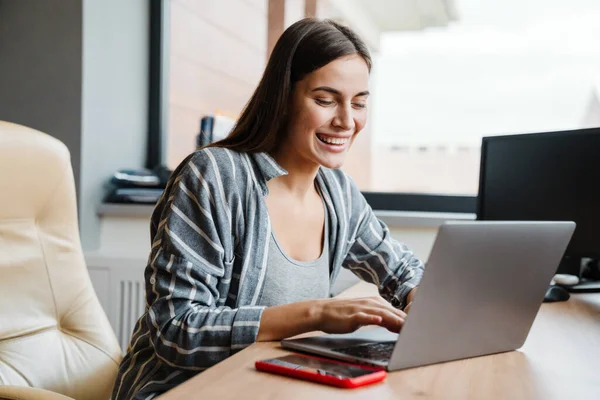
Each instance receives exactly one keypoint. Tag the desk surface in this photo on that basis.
(560, 360)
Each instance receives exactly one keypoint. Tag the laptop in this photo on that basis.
(481, 290)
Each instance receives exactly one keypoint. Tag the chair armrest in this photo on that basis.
(28, 393)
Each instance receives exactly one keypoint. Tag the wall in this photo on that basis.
(217, 53)
(114, 100)
(78, 70)
(40, 68)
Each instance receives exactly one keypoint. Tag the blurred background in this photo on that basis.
(127, 84)
(446, 73)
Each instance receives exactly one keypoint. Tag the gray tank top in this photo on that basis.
(288, 280)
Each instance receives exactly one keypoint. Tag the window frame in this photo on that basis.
(157, 129)
(157, 83)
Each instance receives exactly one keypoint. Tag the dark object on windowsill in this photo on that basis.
(205, 136)
(141, 178)
(137, 186)
(133, 195)
(134, 178)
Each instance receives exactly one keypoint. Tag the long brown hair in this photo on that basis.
(304, 47)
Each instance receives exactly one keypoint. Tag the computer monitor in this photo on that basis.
(545, 176)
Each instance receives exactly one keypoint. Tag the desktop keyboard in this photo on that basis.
(373, 351)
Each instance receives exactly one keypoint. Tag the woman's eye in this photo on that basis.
(324, 102)
(359, 105)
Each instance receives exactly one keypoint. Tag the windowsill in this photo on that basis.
(391, 218)
(125, 210)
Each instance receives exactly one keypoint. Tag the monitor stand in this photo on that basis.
(570, 265)
(589, 279)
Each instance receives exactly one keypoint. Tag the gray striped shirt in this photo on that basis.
(210, 235)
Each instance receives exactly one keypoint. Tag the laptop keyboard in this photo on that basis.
(374, 351)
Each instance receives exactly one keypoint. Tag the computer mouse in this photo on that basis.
(556, 293)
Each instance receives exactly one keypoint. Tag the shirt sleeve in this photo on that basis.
(375, 257)
(189, 326)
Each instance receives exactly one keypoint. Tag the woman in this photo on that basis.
(251, 231)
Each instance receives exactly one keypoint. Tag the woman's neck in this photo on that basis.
(300, 180)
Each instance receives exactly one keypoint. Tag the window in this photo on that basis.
(504, 67)
(446, 73)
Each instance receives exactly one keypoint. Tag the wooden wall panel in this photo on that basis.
(237, 18)
(276, 22)
(196, 86)
(207, 44)
(217, 53)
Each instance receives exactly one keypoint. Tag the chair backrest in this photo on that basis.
(54, 334)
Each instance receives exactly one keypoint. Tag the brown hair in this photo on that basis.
(304, 47)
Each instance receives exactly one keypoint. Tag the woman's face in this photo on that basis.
(328, 110)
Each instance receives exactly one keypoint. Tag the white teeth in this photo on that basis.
(337, 141)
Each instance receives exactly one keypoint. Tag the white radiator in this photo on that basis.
(130, 306)
(119, 285)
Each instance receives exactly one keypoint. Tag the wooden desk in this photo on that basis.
(560, 360)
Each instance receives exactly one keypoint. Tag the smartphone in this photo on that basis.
(316, 369)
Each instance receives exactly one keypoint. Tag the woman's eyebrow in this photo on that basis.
(337, 92)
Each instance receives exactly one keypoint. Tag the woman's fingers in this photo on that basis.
(389, 319)
(380, 302)
(347, 315)
(363, 318)
(396, 311)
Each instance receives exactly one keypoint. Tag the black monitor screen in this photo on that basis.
(551, 176)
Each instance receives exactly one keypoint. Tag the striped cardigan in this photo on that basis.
(210, 235)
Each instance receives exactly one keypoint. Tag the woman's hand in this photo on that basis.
(328, 315)
(347, 315)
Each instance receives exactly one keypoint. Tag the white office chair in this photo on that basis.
(55, 339)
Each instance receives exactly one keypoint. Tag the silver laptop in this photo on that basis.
(481, 290)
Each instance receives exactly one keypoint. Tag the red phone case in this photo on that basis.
(347, 383)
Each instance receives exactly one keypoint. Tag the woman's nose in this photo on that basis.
(344, 119)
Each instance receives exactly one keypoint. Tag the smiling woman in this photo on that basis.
(338, 83)
(251, 231)
(331, 105)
